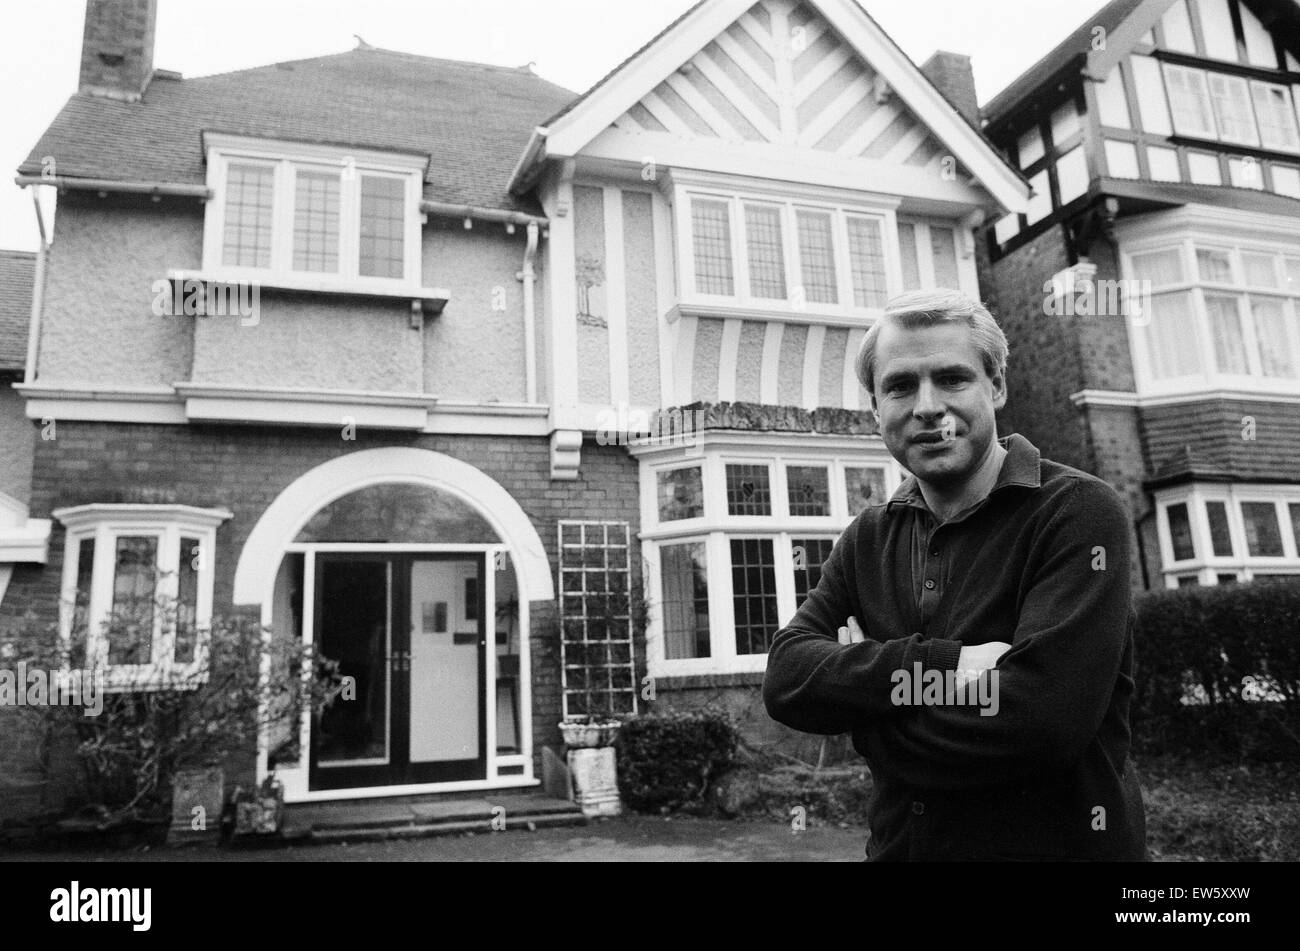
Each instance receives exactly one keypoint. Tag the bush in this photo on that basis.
(1218, 671)
(668, 761)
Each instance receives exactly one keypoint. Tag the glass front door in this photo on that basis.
(410, 632)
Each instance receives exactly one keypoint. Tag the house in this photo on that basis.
(1151, 291)
(521, 404)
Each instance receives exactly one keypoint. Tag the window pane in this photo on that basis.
(247, 238)
(766, 255)
(1294, 509)
(1214, 265)
(943, 246)
(1246, 173)
(681, 494)
(711, 228)
(134, 580)
(1232, 110)
(863, 487)
(1187, 581)
(1226, 578)
(1220, 538)
(867, 261)
(383, 223)
(1189, 102)
(686, 600)
(1263, 535)
(81, 604)
(187, 600)
(1159, 267)
(753, 594)
(1277, 121)
(1225, 333)
(748, 491)
(1172, 338)
(808, 555)
(316, 222)
(1275, 354)
(1259, 269)
(808, 488)
(907, 250)
(816, 257)
(1180, 532)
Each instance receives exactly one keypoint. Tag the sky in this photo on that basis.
(570, 42)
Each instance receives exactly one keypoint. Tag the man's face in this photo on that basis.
(935, 402)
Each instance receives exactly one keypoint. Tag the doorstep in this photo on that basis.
(417, 816)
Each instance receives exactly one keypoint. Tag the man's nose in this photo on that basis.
(928, 403)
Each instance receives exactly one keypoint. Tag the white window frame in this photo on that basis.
(715, 528)
(286, 159)
(1204, 564)
(1208, 378)
(1248, 89)
(789, 199)
(105, 523)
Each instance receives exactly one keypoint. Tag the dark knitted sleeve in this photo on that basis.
(817, 685)
(1054, 685)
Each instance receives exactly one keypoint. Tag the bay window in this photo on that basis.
(137, 591)
(1219, 534)
(1219, 315)
(312, 217)
(735, 541)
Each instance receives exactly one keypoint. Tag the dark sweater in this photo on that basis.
(1042, 564)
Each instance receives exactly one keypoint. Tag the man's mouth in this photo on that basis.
(937, 436)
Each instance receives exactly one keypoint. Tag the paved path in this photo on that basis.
(630, 839)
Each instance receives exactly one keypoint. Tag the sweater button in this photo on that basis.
(918, 808)
(929, 584)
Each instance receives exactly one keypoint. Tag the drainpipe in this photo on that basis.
(529, 277)
(38, 295)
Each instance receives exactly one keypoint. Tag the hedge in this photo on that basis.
(668, 761)
(1218, 670)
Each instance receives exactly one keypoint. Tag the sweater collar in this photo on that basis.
(1020, 467)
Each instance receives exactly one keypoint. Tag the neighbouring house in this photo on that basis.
(1151, 291)
(521, 404)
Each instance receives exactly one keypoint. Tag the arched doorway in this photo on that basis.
(414, 571)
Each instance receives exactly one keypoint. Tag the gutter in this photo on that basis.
(104, 186)
(529, 276)
(445, 210)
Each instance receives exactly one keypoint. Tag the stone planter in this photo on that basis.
(197, 798)
(593, 766)
(580, 736)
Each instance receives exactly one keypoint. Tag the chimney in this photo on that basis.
(951, 73)
(117, 48)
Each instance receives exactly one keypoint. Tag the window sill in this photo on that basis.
(423, 299)
(808, 315)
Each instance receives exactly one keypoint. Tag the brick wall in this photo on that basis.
(1211, 433)
(246, 468)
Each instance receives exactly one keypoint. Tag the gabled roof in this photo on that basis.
(17, 278)
(1078, 43)
(569, 130)
(472, 119)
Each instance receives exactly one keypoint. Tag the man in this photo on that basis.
(1003, 577)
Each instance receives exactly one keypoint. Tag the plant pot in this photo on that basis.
(580, 736)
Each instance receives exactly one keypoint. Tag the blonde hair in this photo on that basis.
(928, 309)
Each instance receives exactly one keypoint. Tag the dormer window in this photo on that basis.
(312, 217)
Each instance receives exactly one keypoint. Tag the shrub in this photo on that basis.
(668, 761)
(1218, 671)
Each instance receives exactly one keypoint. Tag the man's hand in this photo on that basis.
(852, 634)
(981, 657)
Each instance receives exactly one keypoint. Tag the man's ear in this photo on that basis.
(999, 390)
